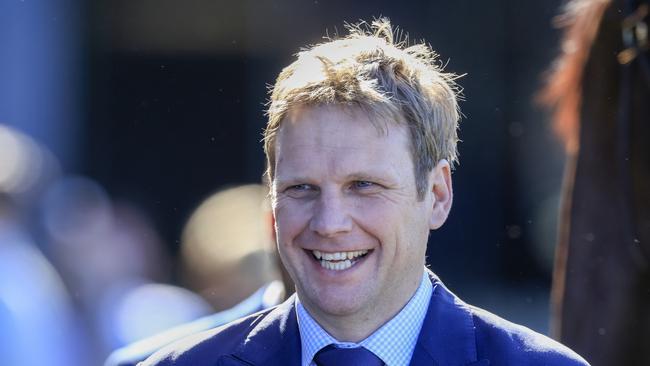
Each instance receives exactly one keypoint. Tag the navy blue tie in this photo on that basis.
(332, 356)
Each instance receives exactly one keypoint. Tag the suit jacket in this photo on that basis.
(453, 334)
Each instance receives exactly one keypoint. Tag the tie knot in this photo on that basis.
(332, 356)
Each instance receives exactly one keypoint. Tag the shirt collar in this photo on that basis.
(393, 342)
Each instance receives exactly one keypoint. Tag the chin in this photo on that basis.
(340, 307)
(338, 303)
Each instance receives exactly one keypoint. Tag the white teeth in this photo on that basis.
(338, 256)
(336, 266)
(342, 260)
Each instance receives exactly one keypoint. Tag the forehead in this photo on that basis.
(333, 138)
(380, 118)
(336, 125)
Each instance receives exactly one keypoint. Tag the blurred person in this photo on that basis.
(38, 322)
(130, 355)
(142, 309)
(42, 326)
(227, 247)
(27, 168)
(7, 332)
(98, 241)
(227, 256)
(137, 304)
(108, 253)
(360, 143)
(599, 89)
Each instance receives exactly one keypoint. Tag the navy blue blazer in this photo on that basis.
(453, 334)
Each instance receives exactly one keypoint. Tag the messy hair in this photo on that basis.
(386, 77)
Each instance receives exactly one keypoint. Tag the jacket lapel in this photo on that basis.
(273, 341)
(447, 337)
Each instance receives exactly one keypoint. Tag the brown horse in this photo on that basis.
(600, 92)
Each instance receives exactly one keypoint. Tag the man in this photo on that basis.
(360, 144)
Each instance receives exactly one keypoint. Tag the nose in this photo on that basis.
(331, 216)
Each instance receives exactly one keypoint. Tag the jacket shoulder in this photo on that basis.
(507, 343)
(206, 347)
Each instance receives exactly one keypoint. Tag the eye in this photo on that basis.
(299, 187)
(363, 184)
(300, 190)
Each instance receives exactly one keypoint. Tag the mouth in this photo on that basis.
(339, 261)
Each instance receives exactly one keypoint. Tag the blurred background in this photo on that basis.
(120, 119)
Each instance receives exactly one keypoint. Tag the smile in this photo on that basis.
(338, 261)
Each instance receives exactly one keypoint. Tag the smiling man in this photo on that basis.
(360, 144)
(351, 226)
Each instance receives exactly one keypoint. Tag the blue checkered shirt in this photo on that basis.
(393, 342)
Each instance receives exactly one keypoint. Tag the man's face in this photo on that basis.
(350, 228)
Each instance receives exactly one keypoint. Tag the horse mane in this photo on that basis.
(580, 20)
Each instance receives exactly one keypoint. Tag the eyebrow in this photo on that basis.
(350, 177)
(366, 177)
(288, 180)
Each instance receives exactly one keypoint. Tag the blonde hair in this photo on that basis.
(389, 79)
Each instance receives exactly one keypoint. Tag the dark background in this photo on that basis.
(162, 103)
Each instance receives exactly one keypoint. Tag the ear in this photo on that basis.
(443, 194)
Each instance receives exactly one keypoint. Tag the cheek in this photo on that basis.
(290, 220)
(383, 209)
(401, 228)
(379, 218)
